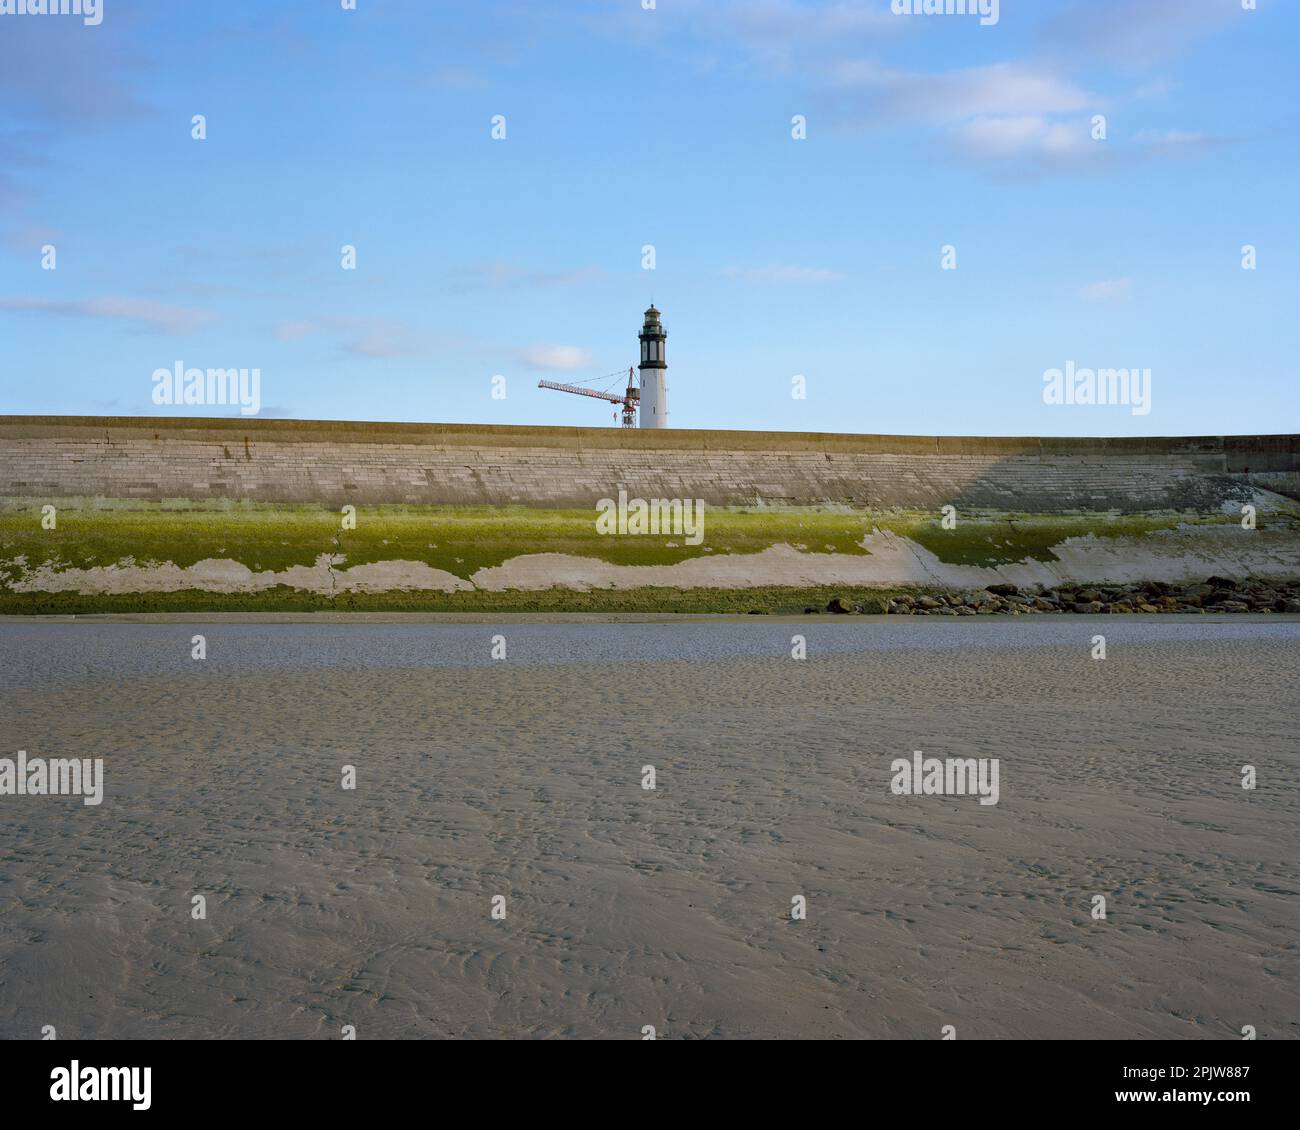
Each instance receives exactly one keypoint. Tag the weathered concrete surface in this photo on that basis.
(342, 462)
(327, 576)
(899, 561)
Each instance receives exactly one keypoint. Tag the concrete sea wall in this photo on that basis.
(1076, 510)
(448, 464)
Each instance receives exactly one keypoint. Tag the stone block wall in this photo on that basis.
(336, 462)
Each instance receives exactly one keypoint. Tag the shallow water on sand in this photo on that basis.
(35, 653)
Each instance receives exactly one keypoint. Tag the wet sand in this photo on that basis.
(670, 908)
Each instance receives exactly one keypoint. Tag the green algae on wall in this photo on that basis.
(775, 600)
(462, 540)
(459, 540)
(994, 540)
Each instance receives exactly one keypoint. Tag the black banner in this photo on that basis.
(219, 1078)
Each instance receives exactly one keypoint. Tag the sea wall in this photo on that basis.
(448, 464)
(241, 509)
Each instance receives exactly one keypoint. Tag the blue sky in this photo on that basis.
(668, 127)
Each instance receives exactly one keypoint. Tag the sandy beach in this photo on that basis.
(626, 907)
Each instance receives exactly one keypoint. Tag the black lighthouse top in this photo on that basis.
(652, 337)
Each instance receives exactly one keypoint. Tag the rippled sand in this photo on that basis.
(669, 908)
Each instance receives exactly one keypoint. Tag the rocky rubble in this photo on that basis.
(1213, 595)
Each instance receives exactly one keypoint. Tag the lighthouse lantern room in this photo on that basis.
(654, 368)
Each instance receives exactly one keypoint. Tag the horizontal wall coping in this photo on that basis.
(228, 430)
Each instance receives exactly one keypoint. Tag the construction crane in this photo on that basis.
(629, 399)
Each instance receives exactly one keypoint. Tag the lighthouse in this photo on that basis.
(654, 389)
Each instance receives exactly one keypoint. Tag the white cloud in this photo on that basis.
(1033, 145)
(1020, 118)
(1033, 135)
(159, 316)
(554, 358)
(1002, 88)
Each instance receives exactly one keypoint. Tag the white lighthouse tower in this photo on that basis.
(654, 369)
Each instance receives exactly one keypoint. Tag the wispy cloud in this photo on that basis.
(12, 195)
(554, 358)
(1022, 118)
(1156, 88)
(1014, 119)
(505, 275)
(57, 82)
(1178, 143)
(456, 78)
(1015, 136)
(1108, 290)
(51, 71)
(884, 95)
(160, 317)
(1038, 145)
(1136, 35)
(778, 273)
(788, 33)
(378, 338)
(782, 36)
(30, 238)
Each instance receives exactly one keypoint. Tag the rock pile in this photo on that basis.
(1215, 594)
